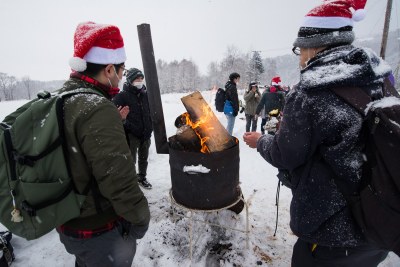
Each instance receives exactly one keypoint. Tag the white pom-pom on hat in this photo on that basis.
(359, 14)
(77, 64)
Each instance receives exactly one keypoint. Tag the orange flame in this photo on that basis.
(202, 121)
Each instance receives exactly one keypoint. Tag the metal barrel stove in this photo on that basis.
(215, 189)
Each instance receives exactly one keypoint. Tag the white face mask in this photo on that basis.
(120, 80)
(121, 83)
(138, 85)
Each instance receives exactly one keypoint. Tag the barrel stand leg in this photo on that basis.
(191, 235)
(247, 224)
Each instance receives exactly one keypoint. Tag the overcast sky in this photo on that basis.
(37, 35)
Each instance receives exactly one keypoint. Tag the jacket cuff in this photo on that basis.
(264, 143)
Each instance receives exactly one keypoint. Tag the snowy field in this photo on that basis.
(167, 243)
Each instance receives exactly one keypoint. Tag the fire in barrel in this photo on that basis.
(204, 158)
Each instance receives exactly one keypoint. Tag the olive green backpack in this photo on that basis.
(36, 189)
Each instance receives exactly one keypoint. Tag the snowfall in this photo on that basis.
(167, 241)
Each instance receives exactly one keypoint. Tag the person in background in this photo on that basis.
(272, 98)
(319, 142)
(251, 97)
(231, 107)
(138, 124)
(115, 213)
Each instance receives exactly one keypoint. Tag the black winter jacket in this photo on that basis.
(232, 96)
(319, 144)
(138, 122)
(270, 101)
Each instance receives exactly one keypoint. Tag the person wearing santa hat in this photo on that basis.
(272, 98)
(318, 144)
(115, 212)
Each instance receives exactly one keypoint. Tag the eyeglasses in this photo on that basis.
(296, 50)
(125, 70)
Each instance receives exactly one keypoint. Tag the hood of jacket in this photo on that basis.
(344, 66)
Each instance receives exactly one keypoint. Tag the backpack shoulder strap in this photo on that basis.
(80, 91)
(354, 96)
(388, 89)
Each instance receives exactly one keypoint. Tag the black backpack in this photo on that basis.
(220, 100)
(376, 208)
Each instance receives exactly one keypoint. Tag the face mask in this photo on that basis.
(120, 80)
(138, 85)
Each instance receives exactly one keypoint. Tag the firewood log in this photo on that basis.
(213, 133)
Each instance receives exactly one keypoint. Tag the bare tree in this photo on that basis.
(7, 86)
(27, 83)
(270, 69)
(3, 84)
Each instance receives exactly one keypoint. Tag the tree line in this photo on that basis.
(184, 75)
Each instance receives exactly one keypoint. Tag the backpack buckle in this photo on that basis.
(23, 160)
(28, 208)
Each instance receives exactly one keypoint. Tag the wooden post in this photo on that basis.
(153, 88)
(386, 28)
(198, 109)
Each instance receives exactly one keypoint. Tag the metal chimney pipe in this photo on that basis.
(153, 88)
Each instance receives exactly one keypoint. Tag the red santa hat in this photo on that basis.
(97, 43)
(330, 23)
(276, 80)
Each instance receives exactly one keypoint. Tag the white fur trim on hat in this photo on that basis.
(359, 14)
(100, 55)
(326, 22)
(77, 64)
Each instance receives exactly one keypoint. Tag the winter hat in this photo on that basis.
(252, 84)
(330, 24)
(276, 81)
(132, 74)
(97, 43)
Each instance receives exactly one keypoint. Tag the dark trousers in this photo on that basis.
(251, 121)
(140, 152)
(263, 122)
(115, 248)
(321, 256)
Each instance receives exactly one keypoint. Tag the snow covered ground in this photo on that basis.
(167, 243)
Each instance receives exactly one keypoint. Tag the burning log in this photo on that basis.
(185, 139)
(206, 125)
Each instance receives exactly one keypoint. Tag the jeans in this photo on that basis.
(321, 256)
(140, 151)
(231, 123)
(251, 121)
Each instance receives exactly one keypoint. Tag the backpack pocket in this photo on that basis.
(379, 220)
(54, 204)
